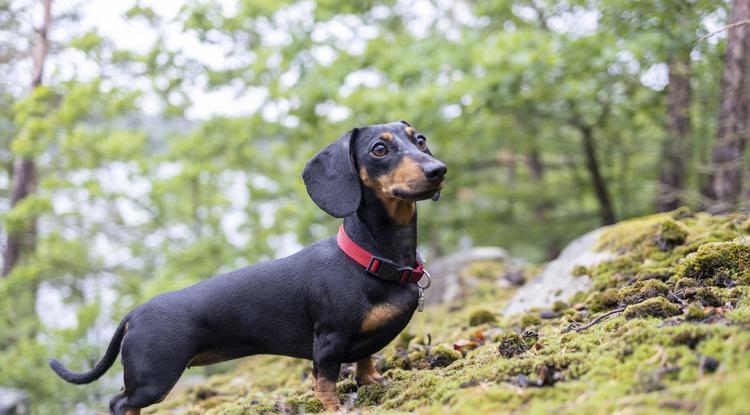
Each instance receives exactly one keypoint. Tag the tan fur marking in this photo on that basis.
(403, 177)
(387, 136)
(325, 391)
(366, 373)
(133, 412)
(379, 315)
(409, 131)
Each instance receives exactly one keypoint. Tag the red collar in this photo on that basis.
(377, 266)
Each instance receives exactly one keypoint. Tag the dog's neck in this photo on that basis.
(372, 228)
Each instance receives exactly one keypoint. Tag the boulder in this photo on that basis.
(446, 282)
(557, 282)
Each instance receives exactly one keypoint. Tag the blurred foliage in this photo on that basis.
(130, 205)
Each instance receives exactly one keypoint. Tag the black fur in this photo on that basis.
(309, 305)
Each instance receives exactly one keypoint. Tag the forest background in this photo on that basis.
(145, 146)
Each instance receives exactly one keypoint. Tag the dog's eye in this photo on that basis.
(379, 150)
(422, 143)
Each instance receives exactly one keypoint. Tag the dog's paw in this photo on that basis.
(372, 379)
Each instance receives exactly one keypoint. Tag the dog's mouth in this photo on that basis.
(414, 196)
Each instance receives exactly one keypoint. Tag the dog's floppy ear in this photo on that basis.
(331, 179)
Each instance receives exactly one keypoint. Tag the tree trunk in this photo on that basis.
(723, 187)
(24, 170)
(606, 211)
(675, 150)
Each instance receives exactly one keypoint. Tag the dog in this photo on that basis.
(332, 302)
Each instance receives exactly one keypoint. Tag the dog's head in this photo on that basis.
(393, 160)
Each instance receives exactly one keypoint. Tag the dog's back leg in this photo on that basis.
(152, 364)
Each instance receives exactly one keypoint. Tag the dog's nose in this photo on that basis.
(435, 171)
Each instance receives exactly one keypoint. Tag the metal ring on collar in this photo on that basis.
(429, 280)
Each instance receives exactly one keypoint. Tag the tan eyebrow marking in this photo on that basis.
(409, 131)
(387, 136)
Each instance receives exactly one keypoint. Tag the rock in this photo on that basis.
(13, 402)
(445, 271)
(557, 281)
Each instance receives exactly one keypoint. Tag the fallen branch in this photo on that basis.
(598, 319)
(680, 300)
(724, 29)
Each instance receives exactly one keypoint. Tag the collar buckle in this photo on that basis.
(390, 271)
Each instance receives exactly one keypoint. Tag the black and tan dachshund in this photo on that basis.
(322, 303)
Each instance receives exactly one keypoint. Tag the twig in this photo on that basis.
(724, 29)
(680, 300)
(598, 319)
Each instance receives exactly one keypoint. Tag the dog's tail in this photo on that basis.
(109, 357)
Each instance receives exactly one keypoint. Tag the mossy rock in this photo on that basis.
(642, 290)
(718, 259)
(441, 356)
(489, 270)
(481, 316)
(658, 307)
(670, 234)
(511, 345)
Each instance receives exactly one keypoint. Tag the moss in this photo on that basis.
(699, 362)
(398, 360)
(530, 319)
(695, 312)
(442, 356)
(370, 395)
(670, 234)
(489, 270)
(580, 270)
(683, 284)
(481, 316)
(603, 301)
(305, 404)
(745, 227)
(559, 306)
(658, 307)
(642, 290)
(511, 345)
(707, 297)
(681, 213)
(403, 339)
(715, 259)
(203, 392)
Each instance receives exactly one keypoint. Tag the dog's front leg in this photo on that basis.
(367, 374)
(328, 353)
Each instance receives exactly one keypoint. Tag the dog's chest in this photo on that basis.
(382, 321)
(383, 314)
